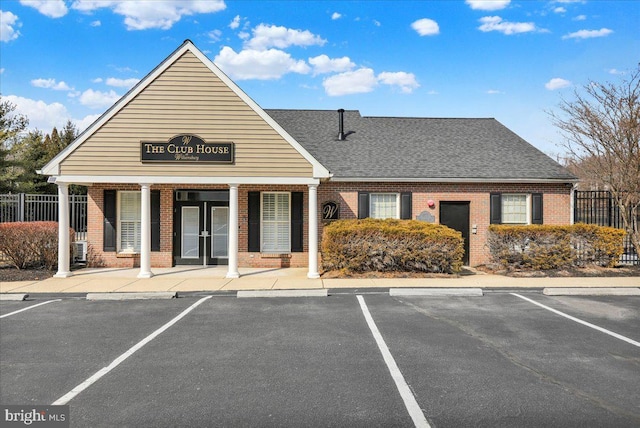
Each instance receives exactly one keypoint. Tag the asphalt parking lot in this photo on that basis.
(495, 361)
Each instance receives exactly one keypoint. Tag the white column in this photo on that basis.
(313, 232)
(63, 231)
(145, 232)
(233, 232)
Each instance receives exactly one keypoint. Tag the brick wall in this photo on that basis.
(556, 203)
(556, 211)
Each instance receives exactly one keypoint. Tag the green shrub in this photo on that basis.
(371, 245)
(542, 247)
(32, 244)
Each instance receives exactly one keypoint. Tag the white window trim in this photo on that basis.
(284, 251)
(527, 207)
(397, 195)
(119, 222)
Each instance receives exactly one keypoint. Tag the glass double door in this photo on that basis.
(202, 233)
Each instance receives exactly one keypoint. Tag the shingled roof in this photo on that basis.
(418, 149)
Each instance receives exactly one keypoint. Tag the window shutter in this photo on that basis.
(296, 221)
(254, 221)
(109, 229)
(363, 204)
(496, 208)
(405, 206)
(155, 220)
(536, 208)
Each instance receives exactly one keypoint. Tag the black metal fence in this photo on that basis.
(26, 207)
(598, 207)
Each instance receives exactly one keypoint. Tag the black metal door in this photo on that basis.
(456, 216)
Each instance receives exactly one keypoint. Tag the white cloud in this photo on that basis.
(323, 64)
(96, 23)
(495, 23)
(142, 15)
(405, 81)
(121, 83)
(50, 8)
(360, 81)
(258, 64)
(560, 9)
(50, 84)
(580, 18)
(215, 35)
(426, 27)
(235, 23)
(588, 34)
(266, 36)
(488, 4)
(97, 80)
(98, 99)
(41, 115)
(616, 71)
(45, 116)
(557, 83)
(494, 92)
(8, 26)
(336, 15)
(1, 70)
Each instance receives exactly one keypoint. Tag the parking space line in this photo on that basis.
(409, 399)
(103, 371)
(578, 320)
(29, 307)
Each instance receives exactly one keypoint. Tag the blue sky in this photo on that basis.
(512, 60)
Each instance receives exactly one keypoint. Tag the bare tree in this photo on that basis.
(601, 127)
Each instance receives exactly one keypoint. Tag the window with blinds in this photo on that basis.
(276, 222)
(384, 205)
(514, 209)
(129, 222)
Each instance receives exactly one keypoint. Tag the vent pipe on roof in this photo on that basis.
(341, 135)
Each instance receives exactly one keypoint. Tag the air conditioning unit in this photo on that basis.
(80, 251)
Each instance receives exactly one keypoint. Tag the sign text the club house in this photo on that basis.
(186, 148)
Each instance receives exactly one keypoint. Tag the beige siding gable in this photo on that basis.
(186, 98)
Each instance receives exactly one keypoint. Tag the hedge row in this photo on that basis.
(32, 244)
(391, 246)
(543, 247)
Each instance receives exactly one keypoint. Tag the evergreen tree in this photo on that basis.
(32, 154)
(68, 134)
(11, 127)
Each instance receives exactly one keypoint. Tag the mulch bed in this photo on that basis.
(10, 274)
(585, 272)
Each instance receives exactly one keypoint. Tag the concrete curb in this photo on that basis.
(283, 293)
(436, 292)
(132, 296)
(595, 291)
(13, 297)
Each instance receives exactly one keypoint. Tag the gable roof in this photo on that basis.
(419, 149)
(53, 166)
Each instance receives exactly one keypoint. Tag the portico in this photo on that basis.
(233, 226)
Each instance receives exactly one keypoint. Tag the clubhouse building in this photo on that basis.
(187, 169)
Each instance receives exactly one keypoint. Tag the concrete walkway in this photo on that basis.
(189, 279)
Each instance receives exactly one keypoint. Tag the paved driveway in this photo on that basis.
(496, 360)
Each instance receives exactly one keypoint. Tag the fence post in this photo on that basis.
(21, 207)
(72, 216)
